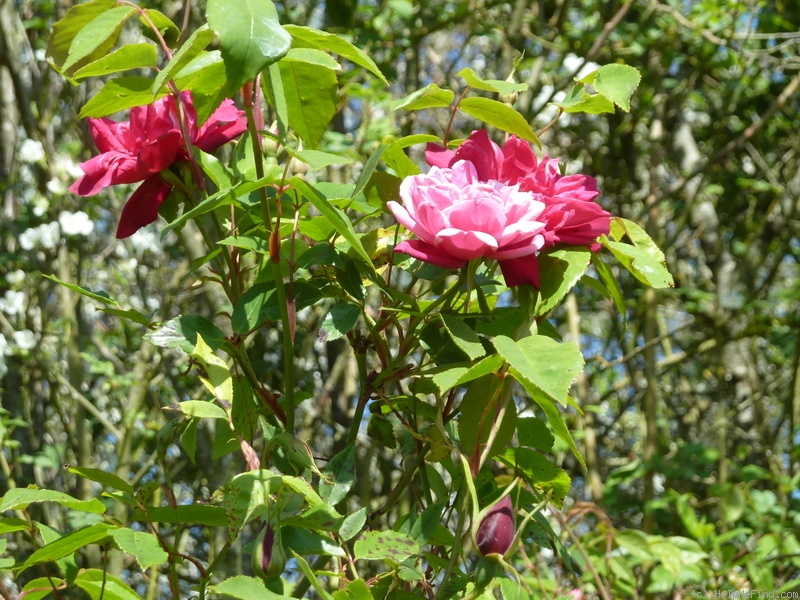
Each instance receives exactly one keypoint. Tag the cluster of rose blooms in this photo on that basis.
(479, 201)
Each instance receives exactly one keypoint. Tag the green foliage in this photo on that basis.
(220, 384)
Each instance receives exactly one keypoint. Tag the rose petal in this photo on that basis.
(521, 271)
(429, 253)
(142, 207)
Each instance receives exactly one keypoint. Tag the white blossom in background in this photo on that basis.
(572, 62)
(40, 54)
(15, 277)
(13, 303)
(75, 223)
(31, 151)
(45, 235)
(25, 339)
(56, 187)
(146, 240)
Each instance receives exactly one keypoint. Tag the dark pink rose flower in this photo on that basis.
(497, 529)
(139, 149)
(457, 218)
(571, 214)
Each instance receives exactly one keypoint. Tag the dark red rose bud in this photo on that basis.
(268, 554)
(496, 531)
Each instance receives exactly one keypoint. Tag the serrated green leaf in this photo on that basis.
(431, 96)
(97, 37)
(549, 365)
(533, 433)
(464, 337)
(329, 42)
(65, 29)
(100, 584)
(198, 409)
(131, 56)
(385, 545)
(342, 224)
(98, 296)
(22, 497)
(104, 478)
(339, 321)
(319, 160)
(538, 472)
(499, 115)
(617, 83)
(381, 430)
(456, 376)
(338, 476)
(559, 271)
(190, 50)
(477, 413)
(355, 590)
(314, 57)
(69, 543)
(311, 98)
(218, 375)
(181, 332)
(168, 30)
(578, 100)
(353, 524)
(490, 85)
(119, 94)
(250, 37)
(144, 547)
(245, 588)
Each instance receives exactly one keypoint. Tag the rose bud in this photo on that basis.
(496, 531)
(268, 555)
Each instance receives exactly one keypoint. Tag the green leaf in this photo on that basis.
(190, 50)
(311, 98)
(131, 56)
(339, 220)
(329, 42)
(314, 57)
(309, 573)
(338, 476)
(43, 586)
(368, 170)
(391, 546)
(578, 100)
(533, 433)
(353, 524)
(245, 588)
(168, 30)
(218, 375)
(198, 409)
(319, 160)
(189, 514)
(339, 321)
(306, 542)
(143, 546)
(455, 376)
(431, 96)
(399, 162)
(381, 430)
(547, 364)
(559, 271)
(99, 584)
(69, 543)
(477, 414)
(490, 85)
(119, 94)
(617, 83)
(644, 259)
(609, 281)
(555, 418)
(103, 478)
(22, 497)
(464, 337)
(97, 37)
(12, 524)
(538, 472)
(355, 590)
(66, 29)
(499, 115)
(98, 296)
(250, 37)
(182, 332)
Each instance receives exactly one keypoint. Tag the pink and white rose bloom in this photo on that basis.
(139, 149)
(564, 205)
(457, 217)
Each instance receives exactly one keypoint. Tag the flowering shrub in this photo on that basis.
(463, 386)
